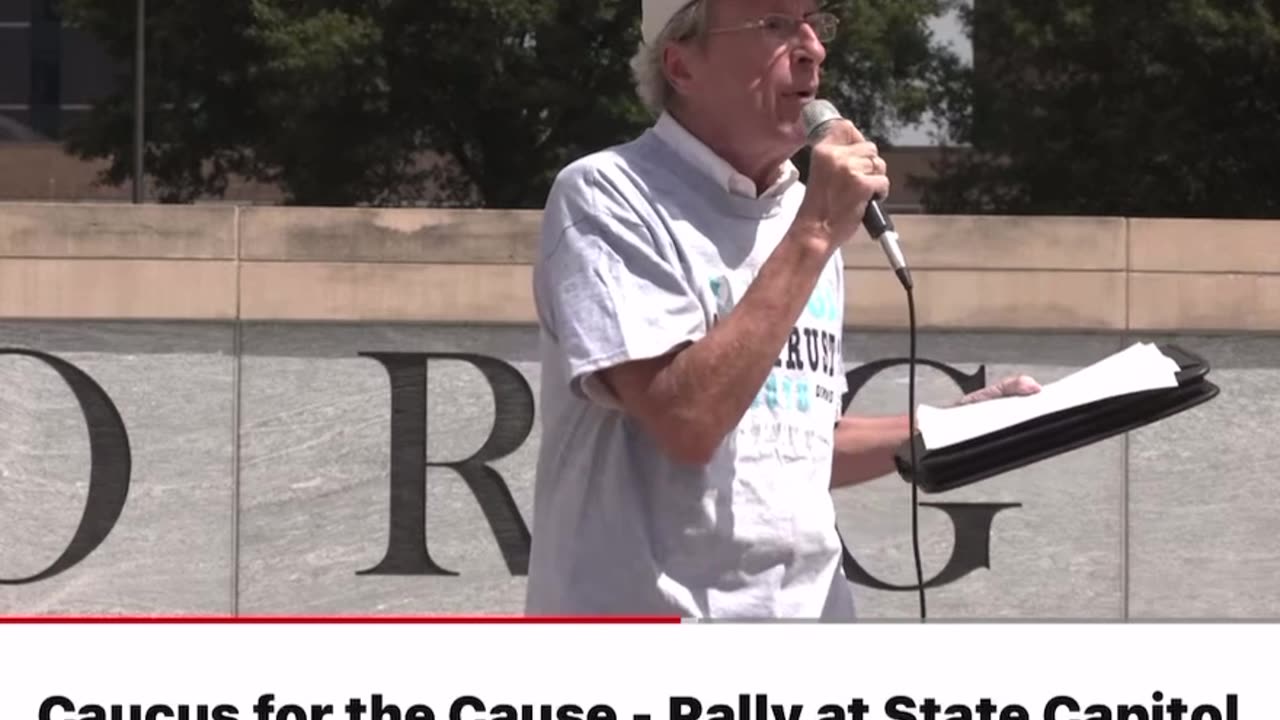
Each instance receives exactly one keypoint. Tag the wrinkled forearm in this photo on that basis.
(691, 403)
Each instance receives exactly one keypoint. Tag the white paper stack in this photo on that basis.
(1137, 368)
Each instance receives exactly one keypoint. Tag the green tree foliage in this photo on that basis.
(1117, 108)
(338, 101)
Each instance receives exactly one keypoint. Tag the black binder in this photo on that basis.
(1044, 437)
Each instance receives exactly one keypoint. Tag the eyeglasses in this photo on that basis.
(785, 28)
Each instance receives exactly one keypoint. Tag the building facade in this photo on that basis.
(50, 73)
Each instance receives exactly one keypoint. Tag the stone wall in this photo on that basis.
(227, 411)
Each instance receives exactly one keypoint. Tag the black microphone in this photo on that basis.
(818, 116)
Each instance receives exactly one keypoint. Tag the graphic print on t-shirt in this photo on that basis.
(797, 402)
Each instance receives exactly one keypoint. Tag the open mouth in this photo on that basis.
(801, 95)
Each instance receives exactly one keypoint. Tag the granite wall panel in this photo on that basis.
(317, 468)
(1203, 496)
(159, 400)
(316, 479)
(324, 514)
(1041, 542)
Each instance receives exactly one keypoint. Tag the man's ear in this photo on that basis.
(679, 68)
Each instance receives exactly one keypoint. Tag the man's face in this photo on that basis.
(756, 80)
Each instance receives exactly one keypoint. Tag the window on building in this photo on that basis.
(14, 11)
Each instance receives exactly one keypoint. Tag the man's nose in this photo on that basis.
(809, 49)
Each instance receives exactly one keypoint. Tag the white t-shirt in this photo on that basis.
(645, 247)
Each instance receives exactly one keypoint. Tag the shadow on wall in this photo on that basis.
(35, 169)
(1235, 351)
(520, 343)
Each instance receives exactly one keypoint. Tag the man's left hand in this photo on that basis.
(1012, 385)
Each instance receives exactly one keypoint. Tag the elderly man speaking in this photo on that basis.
(690, 293)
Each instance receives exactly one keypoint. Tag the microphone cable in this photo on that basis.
(817, 117)
(880, 227)
(911, 429)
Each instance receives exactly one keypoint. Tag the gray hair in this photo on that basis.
(652, 86)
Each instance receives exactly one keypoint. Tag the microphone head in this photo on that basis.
(817, 115)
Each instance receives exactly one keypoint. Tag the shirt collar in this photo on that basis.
(704, 158)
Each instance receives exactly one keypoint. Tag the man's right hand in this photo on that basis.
(845, 173)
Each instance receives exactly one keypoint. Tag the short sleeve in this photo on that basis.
(608, 291)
